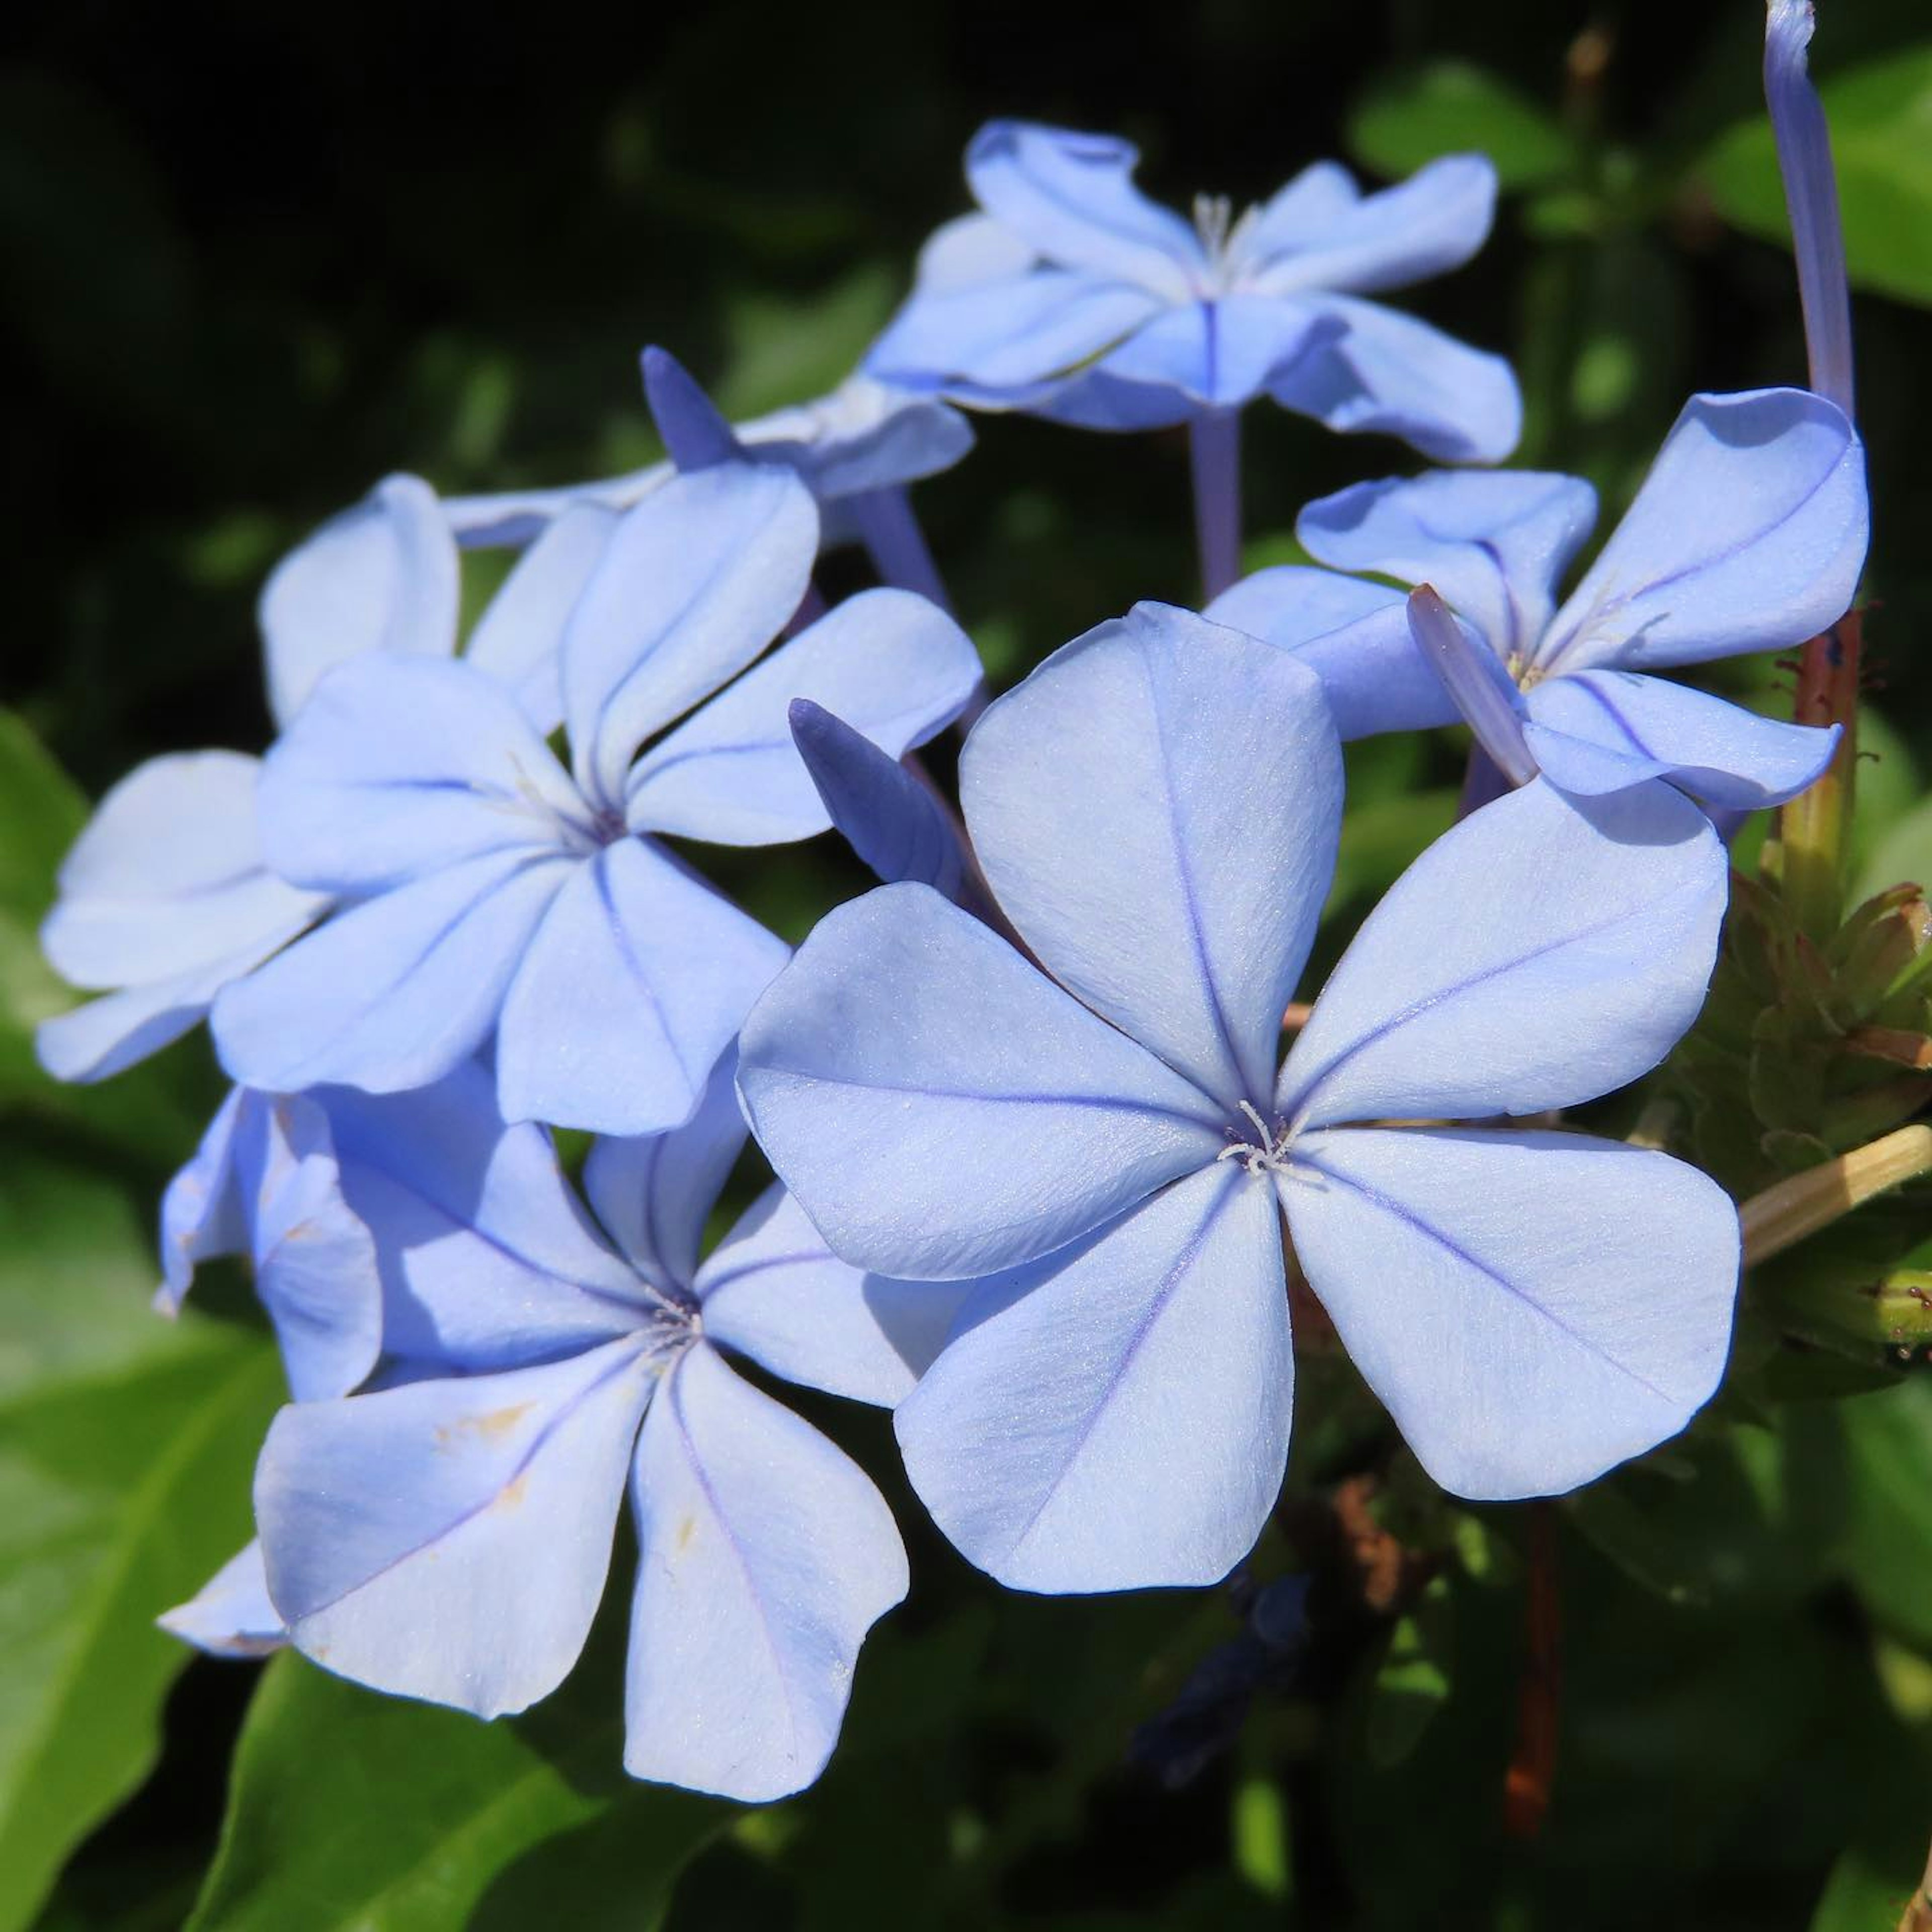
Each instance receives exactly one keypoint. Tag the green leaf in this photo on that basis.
(1881, 119)
(1887, 1527)
(1413, 1681)
(1453, 108)
(350, 1809)
(42, 811)
(126, 1445)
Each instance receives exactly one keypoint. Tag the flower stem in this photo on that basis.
(1214, 452)
(1789, 1210)
(897, 545)
(1526, 1788)
(1813, 831)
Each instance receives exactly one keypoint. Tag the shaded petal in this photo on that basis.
(864, 436)
(230, 1615)
(510, 519)
(765, 1555)
(203, 1212)
(694, 583)
(1071, 198)
(488, 1260)
(392, 993)
(1600, 731)
(1532, 1308)
(1354, 636)
(519, 638)
(1541, 952)
(1474, 678)
(695, 434)
(631, 987)
(381, 576)
(107, 1035)
(1307, 237)
(167, 877)
(942, 1109)
(1116, 1417)
(1748, 535)
(896, 823)
(449, 1540)
(1393, 373)
(1155, 809)
(1492, 545)
(772, 1290)
(995, 344)
(398, 766)
(968, 250)
(896, 667)
(653, 1192)
(1221, 353)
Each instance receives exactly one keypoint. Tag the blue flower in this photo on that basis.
(497, 894)
(1103, 1146)
(1073, 296)
(1748, 535)
(449, 1538)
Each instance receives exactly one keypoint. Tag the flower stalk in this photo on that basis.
(1788, 1211)
(1214, 456)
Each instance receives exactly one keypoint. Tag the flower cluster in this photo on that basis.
(1047, 1185)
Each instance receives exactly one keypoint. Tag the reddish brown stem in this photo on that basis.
(1532, 1771)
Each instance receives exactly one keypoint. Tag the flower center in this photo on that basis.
(1267, 1152)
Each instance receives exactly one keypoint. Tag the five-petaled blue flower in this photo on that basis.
(1748, 535)
(493, 893)
(1108, 1153)
(1073, 296)
(449, 1538)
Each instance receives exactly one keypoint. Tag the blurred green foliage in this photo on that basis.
(253, 258)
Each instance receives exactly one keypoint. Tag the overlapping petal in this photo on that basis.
(1600, 730)
(1221, 353)
(1543, 951)
(941, 1107)
(1390, 372)
(380, 576)
(772, 1290)
(693, 585)
(1532, 1308)
(1071, 198)
(630, 988)
(764, 1556)
(896, 667)
(230, 1615)
(1117, 1416)
(1167, 860)
(1494, 546)
(392, 993)
(1748, 535)
(449, 1540)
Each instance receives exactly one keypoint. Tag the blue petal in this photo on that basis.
(694, 583)
(230, 1615)
(1393, 373)
(772, 1290)
(896, 667)
(941, 1108)
(653, 1192)
(864, 436)
(764, 1556)
(1221, 353)
(1540, 953)
(1071, 198)
(488, 1260)
(449, 1540)
(1354, 636)
(631, 987)
(510, 519)
(167, 878)
(1155, 809)
(202, 1213)
(1308, 237)
(394, 992)
(519, 638)
(381, 576)
(1493, 546)
(1748, 535)
(1003, 344)
(895, 823)
(1532, 1308)
(1116, 1417)
(697, 436)
(398, 766)
(1600, 730)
